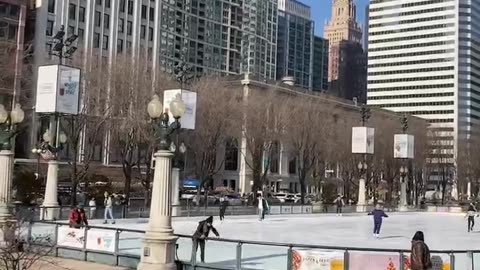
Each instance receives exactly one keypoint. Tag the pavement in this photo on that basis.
(66, 264)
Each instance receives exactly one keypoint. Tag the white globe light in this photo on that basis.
(34, 150)
(47, 136)
(62, 138)
(155, 108)
(17, 115)
(177, 107)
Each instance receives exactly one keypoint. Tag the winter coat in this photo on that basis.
(420, 257)
(108, 202)
(378, 215)
(339, 202)
(203, 230)
(472, 211)
(74, 218)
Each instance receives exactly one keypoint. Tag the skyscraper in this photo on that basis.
(320, 64)
(295, 42)
(344, 36)
(422, 61)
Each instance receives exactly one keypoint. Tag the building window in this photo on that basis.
(231, 155)
(129, 45)
(292, 166)
(81, 14)
(150, 33)
(143, 31)
(71, 30)
(225, 182)
(129, 28)
(80, 34)
(144, 12)
(122, 5)
(152, 14)
(49, 31)
(274, 157)
(130, 7)
(120, 45)
(51, 6)
(121, 24)
(98, 2)
(96, 40)
(106, 21)
(72, 11)
(107, 3)
(97, 18)
(105, 42)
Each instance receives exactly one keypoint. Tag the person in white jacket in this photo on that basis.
(92, 204)
(108, 209)
(262, 206)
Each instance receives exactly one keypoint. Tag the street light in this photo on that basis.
(63, 48)
(8, 123)
(159, 243)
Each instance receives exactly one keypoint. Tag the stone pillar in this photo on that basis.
(6, 169)
(469, 190)
(158, 251)
(50, 212)
(361, 204)
(176, 211)
(403, 194)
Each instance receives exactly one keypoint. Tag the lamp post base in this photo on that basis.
(158, 252)
(49, 210)
(7, 231)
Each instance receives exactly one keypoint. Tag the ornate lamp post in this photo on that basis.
(8, 122)
(159, 243)
(362, 169)
(403, 186)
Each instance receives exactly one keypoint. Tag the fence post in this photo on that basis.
(117, 242)
(346, 260)
(452, 261)
(29, 238)
(402, 261)
(56, 239)
(239, 256)
(471, 261)
(85, 254)
(289, 257)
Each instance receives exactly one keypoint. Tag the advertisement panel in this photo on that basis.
(315, 260)
(363, 140)
(403, 146)
(102, 240)
(70, 237)
(58, 89)
(190, 98)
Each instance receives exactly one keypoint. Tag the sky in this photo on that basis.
(322, 9)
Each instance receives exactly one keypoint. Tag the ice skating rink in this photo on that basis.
(442, 232)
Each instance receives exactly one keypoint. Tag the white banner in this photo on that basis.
(313, 260)
(102, 240)
(190, 98)
(363, 140)
(70, 237)
(58, 89)
(403, 146)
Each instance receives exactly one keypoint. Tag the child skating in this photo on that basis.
(471, 212)
(378, 215)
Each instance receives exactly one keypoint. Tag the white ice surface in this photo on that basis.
(442, 232)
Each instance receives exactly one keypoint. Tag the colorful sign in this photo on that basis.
(363, 140)
(70, 237)
(102, 240)
(190, 99)
(58, 89)
(315, 260)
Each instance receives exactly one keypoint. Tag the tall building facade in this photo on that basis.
(344, 36)
(295, 42)
(320, 64)
(213, 36)
(423, 61)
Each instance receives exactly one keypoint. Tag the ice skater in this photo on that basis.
(339, 203)
(262, 206)
(200, 235)
(471, 212)
(223, 207)
(378, 215)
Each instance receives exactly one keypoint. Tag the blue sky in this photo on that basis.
(321, 10)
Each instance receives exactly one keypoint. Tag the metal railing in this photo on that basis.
(228, 253)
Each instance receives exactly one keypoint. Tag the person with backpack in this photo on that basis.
(420, 256)
(200, 236)
(378, 215)
(223, 207)
(74, 218)
(471, 212)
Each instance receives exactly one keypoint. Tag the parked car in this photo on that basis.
(281, 197)
(234, 199)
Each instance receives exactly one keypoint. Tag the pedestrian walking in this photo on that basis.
(378, 215)
(223, 207)
(420, 256)
(92, 204)
(200, 236)
(108, 209)
(262, 207)
(471, 212)
(339, 203)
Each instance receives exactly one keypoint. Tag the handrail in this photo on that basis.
(274, 244)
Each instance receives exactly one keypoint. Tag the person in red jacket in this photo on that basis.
(75, 218)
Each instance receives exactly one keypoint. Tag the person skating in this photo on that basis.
(200, 236)
(74, 218)
(108, 208)
(262, 206)
(223, 207)
(92, 204)
(339, 203)
(471, 212)
(420, 256)
(378, 215)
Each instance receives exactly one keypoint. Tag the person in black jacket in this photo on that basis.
(202, 232)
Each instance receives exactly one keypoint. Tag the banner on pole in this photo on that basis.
(363, 140)
(190, 98)
(403, 146)
(70, 237)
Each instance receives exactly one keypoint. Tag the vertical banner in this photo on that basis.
(363, 140)
(70, 237)
(190, 98)
(403, 146)
(102, 240)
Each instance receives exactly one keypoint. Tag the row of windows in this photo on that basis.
(415, 104)
(394, 23)
(428, 2)
(412, 37)
(414, 45)
(412, 87)
(410, 54)
(411, 96)
(414, 79)
(391, 72)
(417, 62)
(415, 12)
(431, 112)
(449, 120)
(412, 29)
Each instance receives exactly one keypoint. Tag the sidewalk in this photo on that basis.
(66, 264)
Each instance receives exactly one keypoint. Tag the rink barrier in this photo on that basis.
(131, 260)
